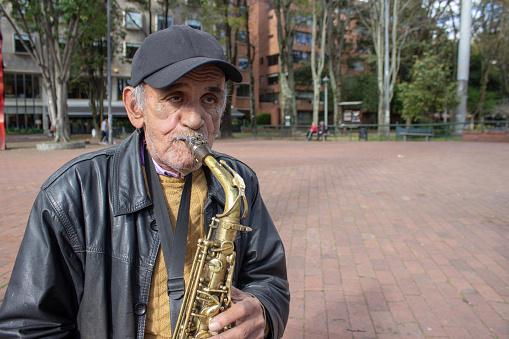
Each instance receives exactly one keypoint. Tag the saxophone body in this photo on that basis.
(209, 288)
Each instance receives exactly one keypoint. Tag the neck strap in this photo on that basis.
(173, 244)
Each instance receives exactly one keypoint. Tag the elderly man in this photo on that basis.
(94, 263)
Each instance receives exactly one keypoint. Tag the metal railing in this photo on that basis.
(372, 132)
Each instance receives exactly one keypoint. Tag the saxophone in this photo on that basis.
(209, 288)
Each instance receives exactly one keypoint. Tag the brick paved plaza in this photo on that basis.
(383, 239)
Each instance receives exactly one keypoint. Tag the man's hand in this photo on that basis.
(247, 312)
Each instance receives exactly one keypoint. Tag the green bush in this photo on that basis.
(263, 119)
(15, 130)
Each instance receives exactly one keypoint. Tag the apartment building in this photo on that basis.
(25, 100)
(267, 88)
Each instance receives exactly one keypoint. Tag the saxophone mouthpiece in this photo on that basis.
(198, 147)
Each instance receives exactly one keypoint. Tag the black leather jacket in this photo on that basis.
(85, 263)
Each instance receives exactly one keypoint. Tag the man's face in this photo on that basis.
(190, 106)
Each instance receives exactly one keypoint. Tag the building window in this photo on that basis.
(243, 90)
(300, 55)
(22, 86)
(304, 97)
(269, 97)
(133, 20)
(242, 36)
(196, 24)
(303, 39)
(363, 31)
(271, 36)
(261, 79)
(161, 23)
(356, 65)
(76, 91)
(363, 49)
(18, 46)
(121, 84)
(261, 61)
(273, 60)
(304, 20)
(273, 79)
(130, 49)
(243, 63)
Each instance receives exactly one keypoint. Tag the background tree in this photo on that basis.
(361, 88)
(53, 29)
(251, 53)
(319, 37)
(401, 24)
(490, 26)
(436, 21)
(226, 18)
(340, 12)
(285, 11)
(483, 100)
(89, 64)
(432, 90)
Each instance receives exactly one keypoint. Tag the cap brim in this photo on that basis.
(171, 73)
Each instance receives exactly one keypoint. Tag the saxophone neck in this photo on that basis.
(198, 147)
(232, 183)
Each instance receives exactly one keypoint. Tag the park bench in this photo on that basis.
(323, 137)
(405, 132)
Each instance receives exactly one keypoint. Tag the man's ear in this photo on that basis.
(134, 112)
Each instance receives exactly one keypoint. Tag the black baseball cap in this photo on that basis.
(169, 54)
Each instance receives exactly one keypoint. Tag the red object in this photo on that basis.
(2, 116)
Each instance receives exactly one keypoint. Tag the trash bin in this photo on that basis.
(363, 133)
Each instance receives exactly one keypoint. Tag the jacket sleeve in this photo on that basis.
(263, 265)
(42, 299)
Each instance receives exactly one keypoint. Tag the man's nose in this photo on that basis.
(192, 116)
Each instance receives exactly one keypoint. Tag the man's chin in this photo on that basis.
(183, 163)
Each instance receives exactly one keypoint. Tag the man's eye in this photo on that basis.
(175, 98)
(210, 99)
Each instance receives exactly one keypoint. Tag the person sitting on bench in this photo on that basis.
(322, 131)
(312, 130)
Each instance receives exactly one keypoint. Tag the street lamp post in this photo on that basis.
(325, 113)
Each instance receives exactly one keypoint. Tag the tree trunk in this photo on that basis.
(336, 42)
(285, 34)
(317, 65)
(63, 133)
(250, 59)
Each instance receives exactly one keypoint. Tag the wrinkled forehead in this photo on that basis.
(207, 72)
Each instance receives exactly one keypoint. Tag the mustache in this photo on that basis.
(181, 136)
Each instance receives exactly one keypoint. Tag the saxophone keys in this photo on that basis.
(215, 265)
(227, 247)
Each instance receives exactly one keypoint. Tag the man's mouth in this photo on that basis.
(183, 137)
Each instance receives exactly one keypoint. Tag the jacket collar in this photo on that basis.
(128, 187)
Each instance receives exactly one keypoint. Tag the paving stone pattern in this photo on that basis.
(383, 239)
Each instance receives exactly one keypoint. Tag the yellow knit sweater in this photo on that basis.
(158, 310)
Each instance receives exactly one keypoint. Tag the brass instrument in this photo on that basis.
(209, 288)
